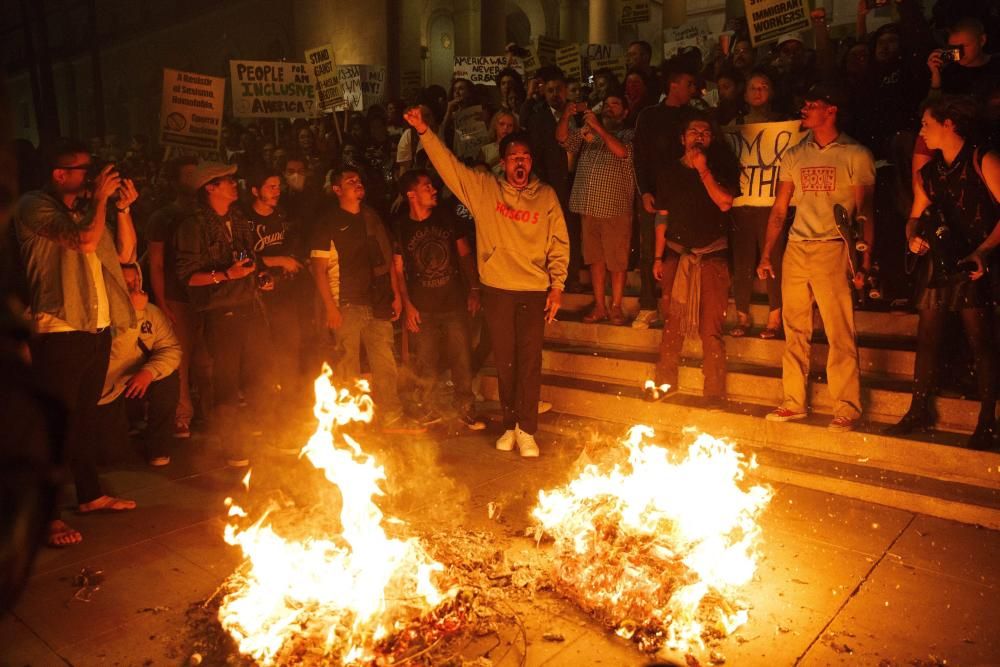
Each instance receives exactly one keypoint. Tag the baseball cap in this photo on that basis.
(789, 37)
(827, 92)
(209, 171)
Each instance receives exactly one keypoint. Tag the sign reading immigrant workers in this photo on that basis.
(191, 110)
(483, 69)
(770, 19)
(266, 89)
(635, 11)
(324, 70)
(759, 147)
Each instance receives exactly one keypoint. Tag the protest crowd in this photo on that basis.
(175, 291)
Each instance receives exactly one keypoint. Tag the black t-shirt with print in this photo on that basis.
(274, 236)
(348, 234)
(430, 258)
(693, 219)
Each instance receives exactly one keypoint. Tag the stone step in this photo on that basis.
(881, 355)
(884, 399)
(932, 474)
(868, 323)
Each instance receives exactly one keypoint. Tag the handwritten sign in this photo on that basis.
(191, 110)
(568, 60)
(471, 133)
(635, 11)
(759, 147)
(483, 69)
(691, 29)
(324, 70)
(545, 50)
(266, 89)
(769, 19)
(531, 63)
(364, 85)
(604, 51)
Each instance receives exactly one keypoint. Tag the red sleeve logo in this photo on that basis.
(818, 179)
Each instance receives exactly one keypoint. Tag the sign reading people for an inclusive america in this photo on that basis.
(770, 19)
(270, 89)
(759, 147)
(191, 110)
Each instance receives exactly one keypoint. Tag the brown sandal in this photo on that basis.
(61, 535)
(595, 316)
(617, 316)
(106, 505)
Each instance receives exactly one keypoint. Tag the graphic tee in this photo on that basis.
(430, 259)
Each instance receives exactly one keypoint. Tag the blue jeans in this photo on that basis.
(361, 327)
(451, 329)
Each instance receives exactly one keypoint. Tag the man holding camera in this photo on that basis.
(963, 67)
(216, 261)
(78, 299)
(602, 195)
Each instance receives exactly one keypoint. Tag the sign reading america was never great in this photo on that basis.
(191, 110)
(269, 89)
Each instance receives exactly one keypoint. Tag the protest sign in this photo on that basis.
(364, 86)
(265, 89)
(604, 51)
(635, 11)
(471, 132)
(759, 147)
(707, 44)
(350, 82)
(616, 65)
(409, 84)
(530, 63)
(568, 60)
(545, 50)
(483, 69)
(191, 110)
(769, 19)
(691, 29)
(324, 70)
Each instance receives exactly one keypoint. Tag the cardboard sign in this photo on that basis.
(568, 60)
(759, 147)
(545, 50)
(770, 19)
(707, 44)
(531, 64)
(471, 133)
(410, 83)
(191, 110)
(324, 69)
(616, 65)
(635, 11)
(483, 69)
(271, 89)
(692, 29)
(364, 86)
(604, 51)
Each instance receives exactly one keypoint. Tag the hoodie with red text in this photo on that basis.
(521, 239)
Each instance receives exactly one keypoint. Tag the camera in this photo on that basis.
(952, 54)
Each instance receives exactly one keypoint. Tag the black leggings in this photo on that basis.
(978, 326)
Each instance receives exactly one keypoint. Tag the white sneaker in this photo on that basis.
(505, 442)
(526, 444)
(543, 407)
(644, 319)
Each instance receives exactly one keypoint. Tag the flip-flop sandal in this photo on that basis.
(617, 317)
(110, 506)
(769, 333)
(739, 331)
(592, 317)
(63, 537)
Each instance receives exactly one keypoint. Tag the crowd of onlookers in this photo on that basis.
(171, 290)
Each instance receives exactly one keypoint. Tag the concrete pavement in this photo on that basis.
(841, 581)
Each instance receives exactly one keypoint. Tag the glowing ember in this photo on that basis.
(657, 547)
(349, 596)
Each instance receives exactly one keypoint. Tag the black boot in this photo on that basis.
(915, 419)
(984, 438)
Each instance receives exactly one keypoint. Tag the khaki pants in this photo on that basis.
(816, 271)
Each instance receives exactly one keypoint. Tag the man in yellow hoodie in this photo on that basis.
(522, 252)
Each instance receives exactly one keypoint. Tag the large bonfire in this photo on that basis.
(657, 546)
(349, 597)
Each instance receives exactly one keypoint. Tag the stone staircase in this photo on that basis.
(593, 375)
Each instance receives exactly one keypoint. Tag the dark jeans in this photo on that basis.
(645, 224)
(111, 430)
(714, 301)
(450, 329)
(517, 329)
(749, 232)
(237, 341)
(71, 367)
(283, 312)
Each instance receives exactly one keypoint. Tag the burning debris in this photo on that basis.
(657, 548)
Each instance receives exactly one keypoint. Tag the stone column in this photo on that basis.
(494, 27)
(674, 13)
(603, 22)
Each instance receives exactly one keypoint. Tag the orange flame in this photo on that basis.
(647, 544)
(345, 591)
